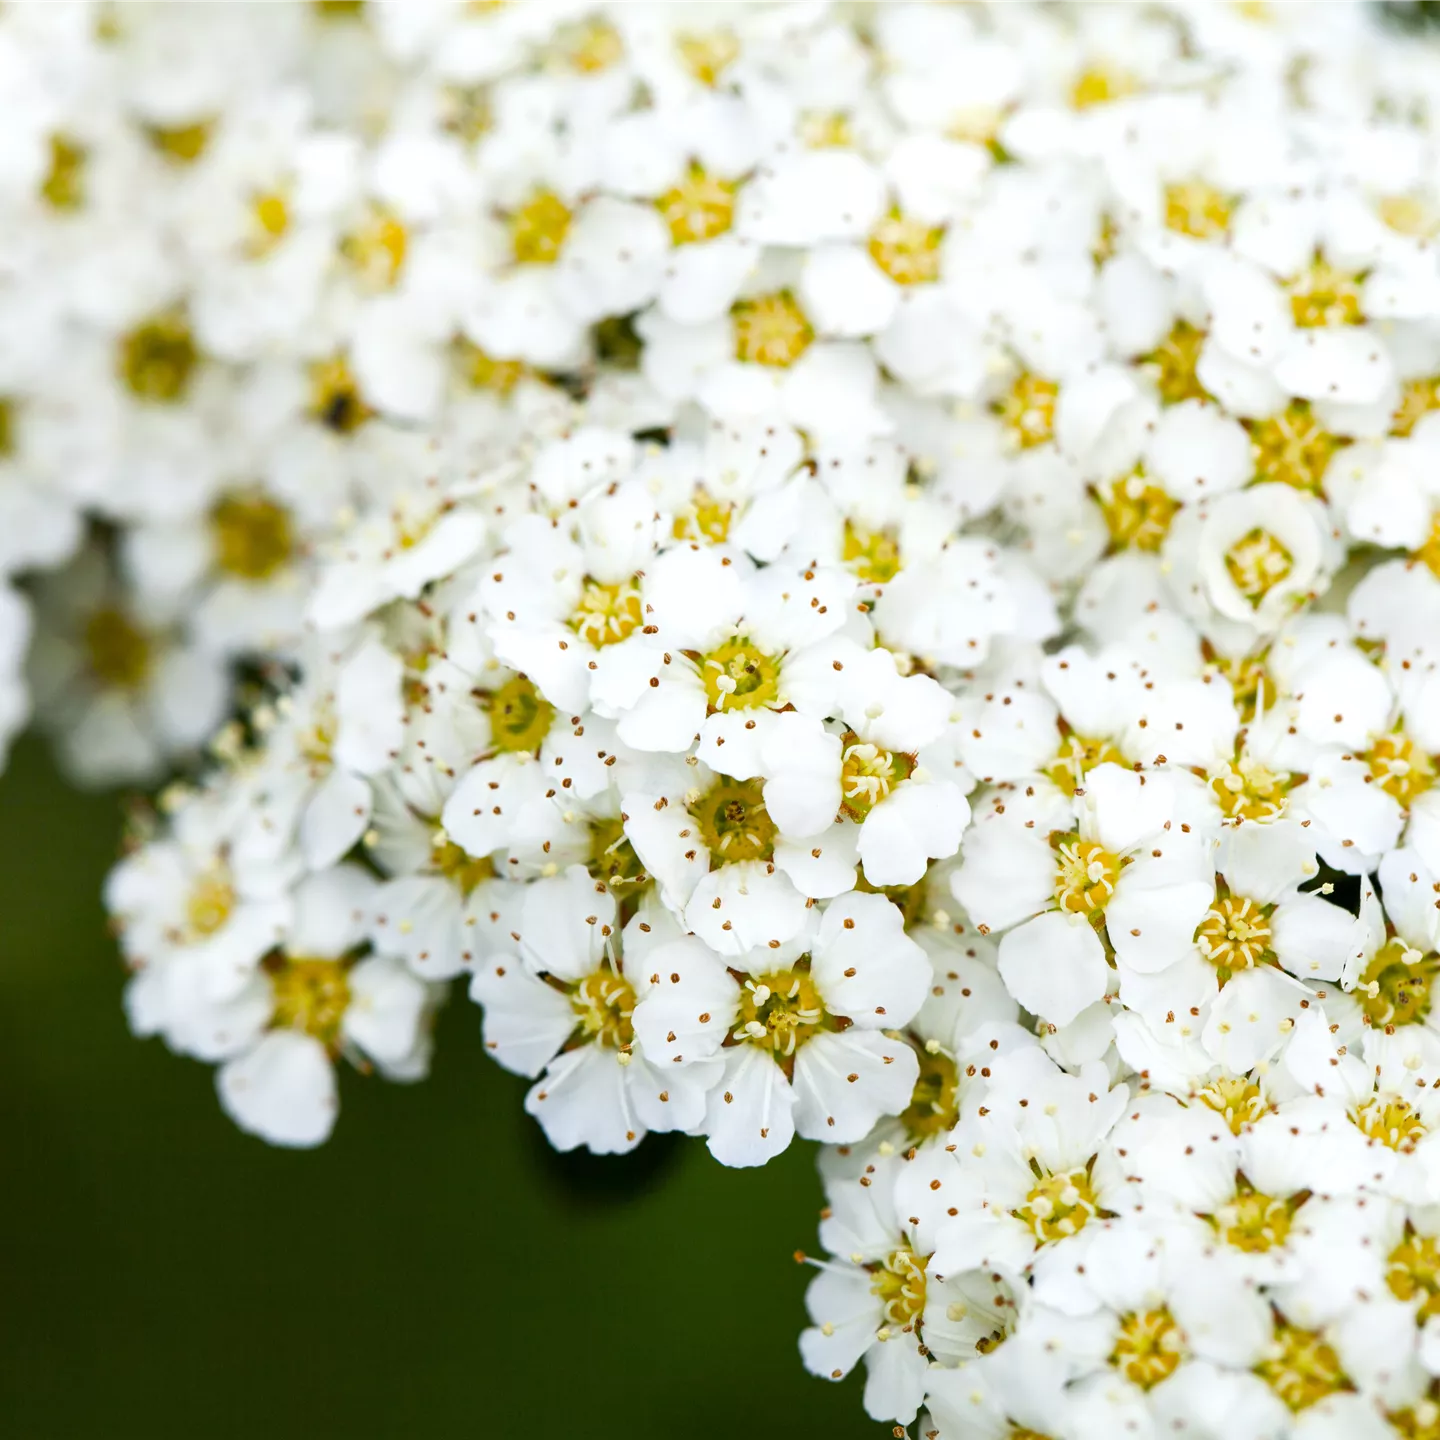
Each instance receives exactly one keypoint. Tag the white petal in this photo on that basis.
(845, 1083)
(915, 824)
(749, 1114)
(283, 1090)
(687, 1011)
(742, 907)
(334, 818)
(844, 292)
(582, 1100)
(1054, 966)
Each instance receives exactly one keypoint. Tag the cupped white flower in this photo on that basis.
(1250, 559)
(323, 1003)
(560, 1002)
(802, 1033)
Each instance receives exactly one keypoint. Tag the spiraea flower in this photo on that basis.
(567, 1005)
(800, 1026)
(861, 575)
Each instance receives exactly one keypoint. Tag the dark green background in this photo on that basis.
(434, 1270)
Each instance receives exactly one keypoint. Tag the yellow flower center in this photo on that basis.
(483, 372)
(733, 821)
(335, 399)
(1417, 399)
(1107, 241)
(1249, 681)
(868, 774)
(700, 207)
(1257, 563)
(1235, 1098)
(1059, 1205)
(607, 613)
(538, 229)
(1099, 84)
(1027, 410)
(1173, 363)
(613, 860)
(603, 1004)
(874, 555)
(771, 330)
(780, 1011)
(210, 903)
(253, 536)
(465, 112)
(1085, 875)
(157, 359)
(64, 185)
(1253, 1221)
(907, 250)
(1149, 1347)
(117, 651)
(1413, 1272)
(270, 217)
(1323, 295)
(979, 125)
(376, 250)
(316, 741)
(706, 54)
(1137, 513)
(1302, 1368)
(1293, 447)
(935, 1101)
(520, 717)
(1077, 756)
(1400, 767)
(899, 1281)
(1392, 1122)
(1395, 986)
(1248, 790)
(825, 130)
(7, 428)
(1420, 1421)
(181, 144)
(739, 675)
(705, 518)
(590, 46)
(311, 995)
(1235, 935)
(1429, 553)
(458, 865)
(1194, 208)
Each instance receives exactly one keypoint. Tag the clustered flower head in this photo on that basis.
(860, 573)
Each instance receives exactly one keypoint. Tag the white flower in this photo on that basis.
(876, 1301)
(116, 680)
(1127, 869)
(1030, 1168)
(725, 648)
(1243, 564)
(558, 602)
(874, 777)
(323, 1003)
(802, 1036)
(567, 1006)
(395, 554)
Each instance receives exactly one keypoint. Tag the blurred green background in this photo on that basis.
(434, 1270)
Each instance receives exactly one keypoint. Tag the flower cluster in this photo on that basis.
(860, 573)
